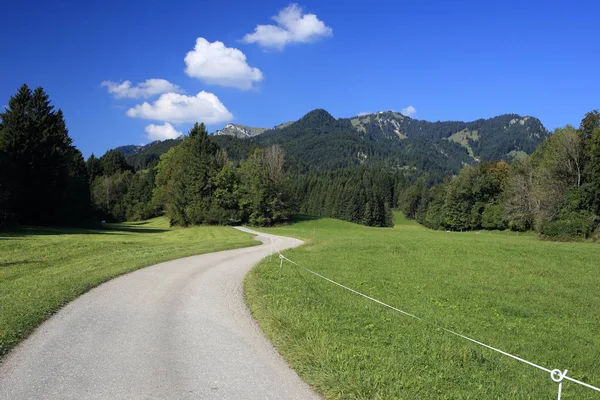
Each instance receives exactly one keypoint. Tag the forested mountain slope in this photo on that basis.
(498, 138)
(392, 140)
(141, 157)
(384, 139)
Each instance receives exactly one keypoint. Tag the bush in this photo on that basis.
(433, 217)
(493, 217)
(570, 225)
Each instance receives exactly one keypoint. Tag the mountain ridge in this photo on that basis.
(239, 131)
(386, 138)
(394, 125)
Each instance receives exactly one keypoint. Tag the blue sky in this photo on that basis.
(450, 60)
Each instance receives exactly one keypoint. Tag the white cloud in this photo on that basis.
(148, 88)
(178, 108)
(292, 27)
(363, 113)
(162, 132)
(214, 63)
(408, 111)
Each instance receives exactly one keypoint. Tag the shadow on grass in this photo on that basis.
(133, 229)
(108, 229)
(14, 263)
(304, 218)
(138, 223)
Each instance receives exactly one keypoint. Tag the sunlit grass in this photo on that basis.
(41, 269)
(538, 300)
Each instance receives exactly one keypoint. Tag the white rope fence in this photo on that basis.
(556, 375)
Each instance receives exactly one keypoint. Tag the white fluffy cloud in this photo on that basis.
(178, 108)
(162, 132)
(292, 27)
(408, 111)
(148, 88)
(214, 63)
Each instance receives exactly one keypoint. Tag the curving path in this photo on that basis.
(176, 330)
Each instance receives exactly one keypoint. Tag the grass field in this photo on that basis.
(537, 300)
(43, 269)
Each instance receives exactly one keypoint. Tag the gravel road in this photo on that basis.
(176, 330)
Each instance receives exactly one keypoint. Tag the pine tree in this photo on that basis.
(94, 167)
(47, 183)
(113, 161)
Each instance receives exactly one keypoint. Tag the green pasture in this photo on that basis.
(537, 300)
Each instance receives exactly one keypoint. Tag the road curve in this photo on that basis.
(176, 330)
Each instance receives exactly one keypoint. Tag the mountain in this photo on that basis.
(384, 139)
(239, 131)
(320, 141)
(390, 139)
(132, 149)
(498, 138)
(141, 157)
(284, 124)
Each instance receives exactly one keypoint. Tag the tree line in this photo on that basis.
(45, 181)
(196, 182)
(118, 191)
(219, 180)
(361, 195)
(555, 191)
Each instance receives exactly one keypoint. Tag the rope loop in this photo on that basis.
(557, 375)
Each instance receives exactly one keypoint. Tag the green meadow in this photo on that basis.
(534, 299)
(42, 269)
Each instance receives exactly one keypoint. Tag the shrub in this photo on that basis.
(570, 225)
(493, 217)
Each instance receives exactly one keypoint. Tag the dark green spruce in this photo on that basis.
(43, 179)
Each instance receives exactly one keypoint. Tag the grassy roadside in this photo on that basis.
(538, 300)
(42, 269)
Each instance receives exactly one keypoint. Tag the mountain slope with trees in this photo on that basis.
(496, 138)
(392, 140)
(385, 139)
(142, 157)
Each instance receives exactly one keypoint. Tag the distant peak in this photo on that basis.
(390, 113)
(319, 112)
(239, 131)
(318, 117)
